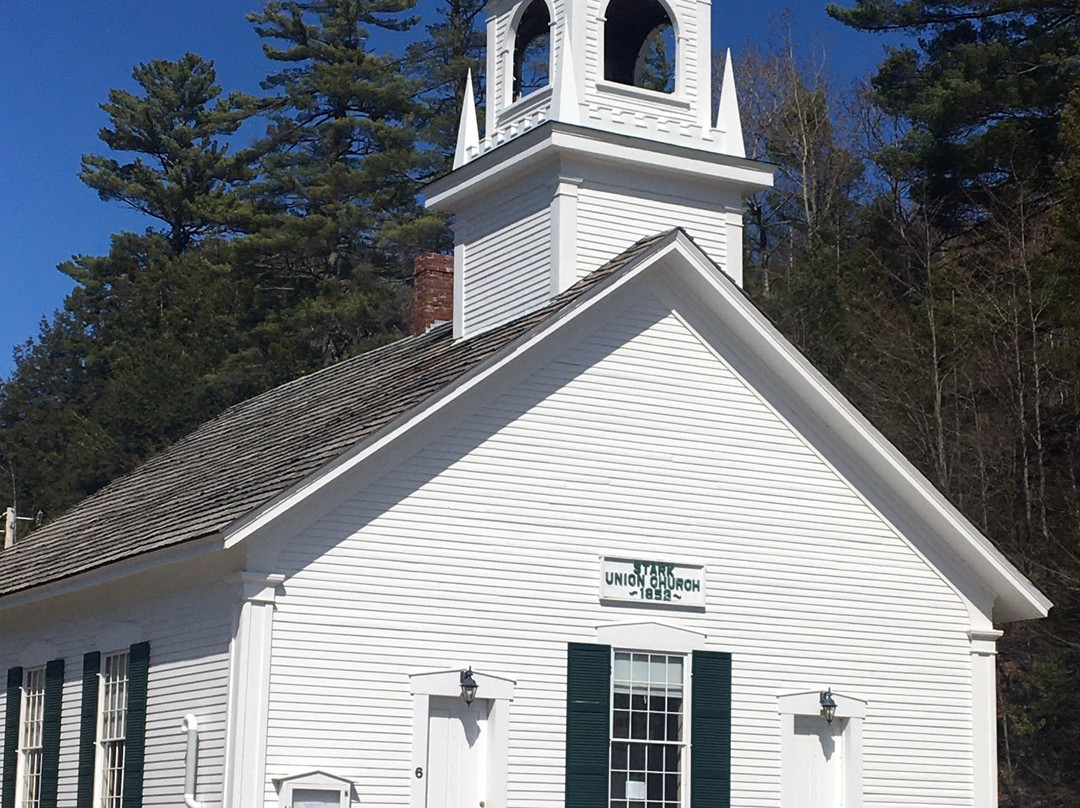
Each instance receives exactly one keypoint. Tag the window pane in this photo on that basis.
(673, 727)
(656, 757)
(671, 787)
(675, 674)
(671, 758)
(620, 756)
(641, 669)
(658, 671)
(622, 666)
(620, 727)
(618, 785)
(656, 786)
(657, 723)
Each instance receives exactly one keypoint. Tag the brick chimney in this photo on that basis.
(433, 291)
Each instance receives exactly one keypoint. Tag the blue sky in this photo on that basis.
(58, 61)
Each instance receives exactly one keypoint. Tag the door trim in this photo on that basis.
(497, 692)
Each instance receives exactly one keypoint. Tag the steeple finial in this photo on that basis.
(728, 120)
(468, 136)
(564, 104)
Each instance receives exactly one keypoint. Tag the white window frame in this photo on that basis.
(655, 638)
(683, 742)
(31, 750)
(103, 761)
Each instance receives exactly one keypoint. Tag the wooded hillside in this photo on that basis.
(921, 246)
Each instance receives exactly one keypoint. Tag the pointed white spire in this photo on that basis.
(728, 120)
(468, 136)
(564, 104)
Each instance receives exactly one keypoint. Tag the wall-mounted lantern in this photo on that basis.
(828, 705)
(468, 686)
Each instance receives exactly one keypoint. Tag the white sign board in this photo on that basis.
(628, 580)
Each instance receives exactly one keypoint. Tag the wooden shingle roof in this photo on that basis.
(259, 448)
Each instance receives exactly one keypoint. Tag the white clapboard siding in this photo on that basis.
(507, 269)
(189, 637)
(483, 550)
(611, 218)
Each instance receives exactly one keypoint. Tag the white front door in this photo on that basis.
(818, 774)
(457, 753)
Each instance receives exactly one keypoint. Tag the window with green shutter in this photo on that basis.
(628, 741)
(50, 733)
(138, 674)
(84, 797)
(112, 737)
(588, 717)
(12, 704)
(710, 718)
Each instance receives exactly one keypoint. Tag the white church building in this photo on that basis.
(604, 539)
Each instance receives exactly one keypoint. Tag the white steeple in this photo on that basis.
(728, 120)
(468, 136)
(599, 132)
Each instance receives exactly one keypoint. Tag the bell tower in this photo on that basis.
(599, 132)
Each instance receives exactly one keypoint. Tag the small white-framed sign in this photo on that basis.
(630, 580)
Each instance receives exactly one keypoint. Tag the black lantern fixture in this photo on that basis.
(468, 686)
(828, 705)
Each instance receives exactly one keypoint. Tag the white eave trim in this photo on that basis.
(115, 570)
(1017, 597)
(1022, 599)
(254, 521)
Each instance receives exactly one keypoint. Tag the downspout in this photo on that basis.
(191, 760)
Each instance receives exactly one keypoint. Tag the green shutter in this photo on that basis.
(710, 731)
(135, 742)
(50, 732)
(88, 729)
(11, 736)
(588, 724)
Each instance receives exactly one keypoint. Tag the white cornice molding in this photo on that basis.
(258, 587)
(553, 140)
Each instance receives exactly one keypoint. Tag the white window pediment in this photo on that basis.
(647, 635)
(448, 683)
(314, 789)
(809, 703)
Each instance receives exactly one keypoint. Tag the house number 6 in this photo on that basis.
(419, 773)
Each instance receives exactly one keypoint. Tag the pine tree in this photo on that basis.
(440, 64)
(339, 173)
(982, 93)
(182, 175)
(341, 156)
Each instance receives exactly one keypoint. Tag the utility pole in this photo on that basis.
(9, 527)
